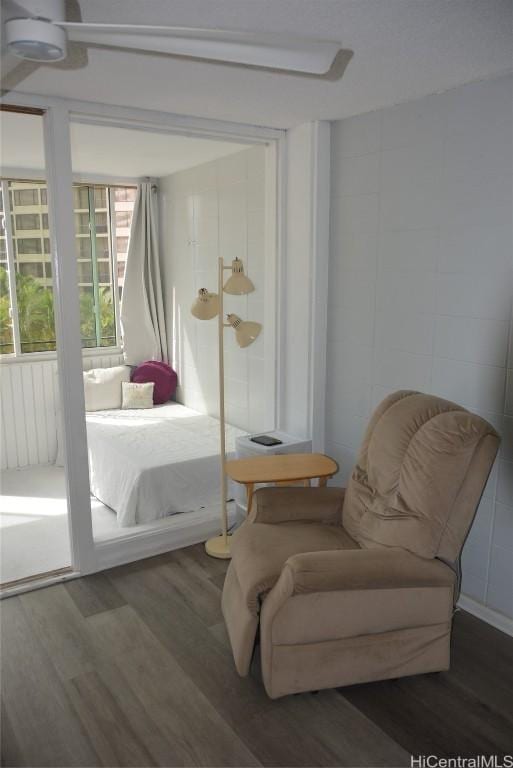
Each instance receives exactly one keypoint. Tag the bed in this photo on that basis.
(147, 464)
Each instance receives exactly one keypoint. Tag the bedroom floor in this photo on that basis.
(132, 667)
(34, 522)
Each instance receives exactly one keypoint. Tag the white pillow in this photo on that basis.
(138, 395)
(102, 387)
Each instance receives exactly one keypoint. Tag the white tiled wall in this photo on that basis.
(420, 296)
(211, 210)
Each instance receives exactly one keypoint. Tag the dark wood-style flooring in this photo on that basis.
(131, 667)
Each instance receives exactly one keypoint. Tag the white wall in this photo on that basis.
(420, 285)
(28, 403)
(304, 282)
(216, 209)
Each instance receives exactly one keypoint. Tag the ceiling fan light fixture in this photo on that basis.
(36, 40)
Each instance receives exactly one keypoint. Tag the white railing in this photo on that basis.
(29, 401)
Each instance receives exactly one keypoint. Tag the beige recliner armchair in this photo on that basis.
(349, 586)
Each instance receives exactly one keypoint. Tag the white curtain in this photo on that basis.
(142, 307)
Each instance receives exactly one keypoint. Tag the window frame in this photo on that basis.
(9, 247)
(18, 355)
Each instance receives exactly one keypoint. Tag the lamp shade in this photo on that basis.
(238, 283)
(246, 331)
(206, 305)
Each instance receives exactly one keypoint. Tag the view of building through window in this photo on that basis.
(6, 335)
(103, 217)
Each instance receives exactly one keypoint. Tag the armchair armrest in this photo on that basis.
(292, 504)
(326, 605)
(360, 569)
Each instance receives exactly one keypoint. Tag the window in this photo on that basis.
(80, 198)
(100, 197)
(104, 272)
(125, 194)
(102, 222)
(27, 221)
(122, 244)
(30, 267)
(33, 268)
(23, 197)
(82, 223)
(123, 219)
(6, 334)
(28, 245)
(83, 245)
(85, 272)
(102, 247)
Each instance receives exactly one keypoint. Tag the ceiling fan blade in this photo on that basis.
(258, 50)
(12, 10)
(72, 11)
(13, 70)
(76, 57)
(339, 65)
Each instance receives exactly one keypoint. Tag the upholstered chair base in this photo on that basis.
(290, 669)
(241, 623)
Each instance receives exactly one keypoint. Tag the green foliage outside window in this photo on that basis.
(107, 319)
(6, 342)
(102, 215)
(36, 316)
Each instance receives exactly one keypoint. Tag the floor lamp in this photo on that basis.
(205, 307)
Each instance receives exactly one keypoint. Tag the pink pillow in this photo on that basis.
(162, 375)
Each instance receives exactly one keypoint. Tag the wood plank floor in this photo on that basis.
(131, 667)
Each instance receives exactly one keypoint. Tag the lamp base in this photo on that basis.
(219, 547)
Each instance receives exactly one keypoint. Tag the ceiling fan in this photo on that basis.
(38, 33)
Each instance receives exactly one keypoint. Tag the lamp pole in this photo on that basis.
(220, 545)
(206, 307)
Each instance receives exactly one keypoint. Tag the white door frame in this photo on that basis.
(304, 276)
(320, 237)
(67, 326)
(58, 114)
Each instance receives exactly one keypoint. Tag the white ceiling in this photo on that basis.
(106, 151)
(403, 49)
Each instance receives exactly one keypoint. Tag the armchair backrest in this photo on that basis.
(419, 476)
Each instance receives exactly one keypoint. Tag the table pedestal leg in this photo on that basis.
(249, 500)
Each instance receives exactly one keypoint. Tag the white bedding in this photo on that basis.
(147, 464)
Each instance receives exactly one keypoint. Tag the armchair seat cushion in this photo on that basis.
(261, 550)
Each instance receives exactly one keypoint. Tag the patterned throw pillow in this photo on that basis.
(137, 395)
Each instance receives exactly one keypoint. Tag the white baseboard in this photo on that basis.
(182, 531)
(496, 619)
